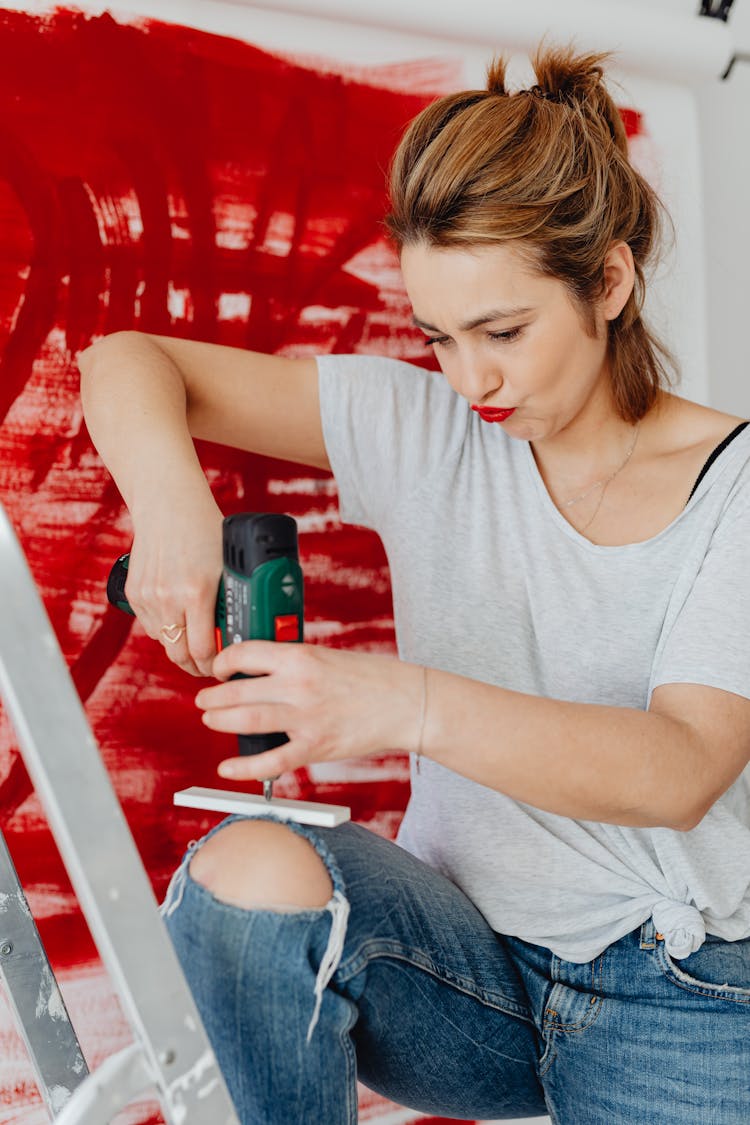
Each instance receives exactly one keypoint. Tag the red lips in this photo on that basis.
(492, 413)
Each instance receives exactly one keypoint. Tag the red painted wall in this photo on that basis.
(159, 178)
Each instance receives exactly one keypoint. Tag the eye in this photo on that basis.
(510, 334)
(432, 340)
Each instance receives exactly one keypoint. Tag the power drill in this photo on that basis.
(260, 595)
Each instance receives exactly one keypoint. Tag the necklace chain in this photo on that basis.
(602, 484)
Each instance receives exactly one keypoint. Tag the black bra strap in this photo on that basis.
(719, 449)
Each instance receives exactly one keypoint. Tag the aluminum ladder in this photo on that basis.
(170, 1054)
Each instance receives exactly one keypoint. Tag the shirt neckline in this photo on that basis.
(722, 460)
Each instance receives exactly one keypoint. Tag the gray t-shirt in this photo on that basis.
(491, 582)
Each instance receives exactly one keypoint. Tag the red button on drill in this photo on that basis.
(286, 628)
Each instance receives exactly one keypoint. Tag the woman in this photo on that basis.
(564, 926)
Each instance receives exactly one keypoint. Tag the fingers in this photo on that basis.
(330, 704)
(259, 705)
(260, 767)
(254, 658)
(194, 646)
(248, 718)
(191, 646)
(246, 706)
(187, 631)
(200, 636)
(173, 578)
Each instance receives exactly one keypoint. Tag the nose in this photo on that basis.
(476, 377)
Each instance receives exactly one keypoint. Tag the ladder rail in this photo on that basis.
(35, 998)
(99, 852)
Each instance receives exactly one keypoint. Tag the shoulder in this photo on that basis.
(681, 424)
(373, 405)
(380, 385)
(680, 436)
(361, 370)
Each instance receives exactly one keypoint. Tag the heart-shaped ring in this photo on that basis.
(171, 633)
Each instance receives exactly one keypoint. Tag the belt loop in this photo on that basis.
(648, 935)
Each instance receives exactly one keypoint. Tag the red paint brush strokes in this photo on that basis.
(159, 178)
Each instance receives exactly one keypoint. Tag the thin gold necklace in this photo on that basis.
(603, 484)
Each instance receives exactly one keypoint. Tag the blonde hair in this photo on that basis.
(546, 168)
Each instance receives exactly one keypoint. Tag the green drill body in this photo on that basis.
(260, 595)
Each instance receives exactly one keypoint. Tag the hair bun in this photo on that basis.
(563, 74)
(577, 79)
(496, 77)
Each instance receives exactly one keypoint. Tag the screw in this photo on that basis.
(166, 1058)
(6, 948)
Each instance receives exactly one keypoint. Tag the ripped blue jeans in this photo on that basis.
(400, 982)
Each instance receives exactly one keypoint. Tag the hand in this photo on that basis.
(331, 704)
(173, 579)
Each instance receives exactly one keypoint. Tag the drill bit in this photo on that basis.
(268, 789)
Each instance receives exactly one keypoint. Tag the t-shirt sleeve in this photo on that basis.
(709, 641)
(387, 425)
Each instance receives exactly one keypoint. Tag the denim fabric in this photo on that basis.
(430, 1007)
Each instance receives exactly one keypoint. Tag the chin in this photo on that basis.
(524, 430)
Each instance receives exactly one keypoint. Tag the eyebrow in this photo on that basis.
(478, 321)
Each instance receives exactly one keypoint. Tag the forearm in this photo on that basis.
(589, 762)
(134, 403)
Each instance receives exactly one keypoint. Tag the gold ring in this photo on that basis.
(171, 634)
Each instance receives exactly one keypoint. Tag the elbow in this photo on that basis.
(105, 348)
(681, 813)
(675, 820)
(688, 814)
(686, 785)
(695, 814)
(688, 823)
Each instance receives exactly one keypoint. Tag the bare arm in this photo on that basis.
(151, 394)
(664, 767)
(145, 398)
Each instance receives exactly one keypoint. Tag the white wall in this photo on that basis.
(724, 121)
(723, 114)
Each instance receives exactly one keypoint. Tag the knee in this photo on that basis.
(262, 864)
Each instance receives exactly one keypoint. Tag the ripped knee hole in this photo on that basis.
(262, 864)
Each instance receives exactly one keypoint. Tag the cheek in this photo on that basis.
(542, 366)
(571, 359)
(448, 368)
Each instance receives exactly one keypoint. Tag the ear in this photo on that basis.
(619, 278)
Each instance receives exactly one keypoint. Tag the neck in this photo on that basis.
(578, 457)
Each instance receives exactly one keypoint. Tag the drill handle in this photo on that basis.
(116, 585)
(258, 743)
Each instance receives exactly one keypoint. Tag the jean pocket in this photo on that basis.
(718, 970)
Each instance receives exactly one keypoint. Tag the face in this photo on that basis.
(507, 337)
